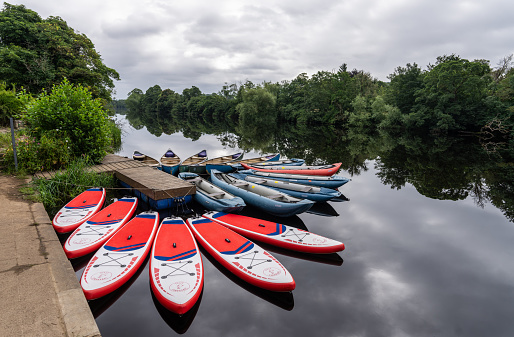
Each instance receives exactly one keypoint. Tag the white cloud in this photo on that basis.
(180, 44)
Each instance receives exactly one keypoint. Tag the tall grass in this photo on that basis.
(68, 183)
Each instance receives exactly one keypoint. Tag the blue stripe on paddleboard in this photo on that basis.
(81, 207)
(280, 229)
(94, 189)
(242, 249)
(181, 256)
(126, 248)
(127, 200)
(202, 221)
(217, 215)
(146, 216)
(106, 222)
(173, 222)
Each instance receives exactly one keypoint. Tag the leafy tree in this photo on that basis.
(38, 53)
(405, 82)
(453, 96)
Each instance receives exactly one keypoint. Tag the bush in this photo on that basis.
(50, 152)
(72, 111)
(10, 105)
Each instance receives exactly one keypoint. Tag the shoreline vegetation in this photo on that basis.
(64, 99)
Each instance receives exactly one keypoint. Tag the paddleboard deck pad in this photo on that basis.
(93, 233)
(79, 210)
(176, 268)
(277, 234)
(241, 256)
(120, 257)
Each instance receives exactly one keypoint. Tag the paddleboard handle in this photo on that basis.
(261, 225)
(129, 237)
(108, 215)
(227, 240)
(174, 245)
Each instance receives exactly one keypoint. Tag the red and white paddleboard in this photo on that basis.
(176, 268)
(241, 256)
(120, 257)
(277, 234)
(93, 233)
(79, 210)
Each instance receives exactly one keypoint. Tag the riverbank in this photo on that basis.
(40, 293)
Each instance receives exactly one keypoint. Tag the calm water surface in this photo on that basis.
(413, 266)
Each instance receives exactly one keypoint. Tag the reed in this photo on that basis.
(69, 182)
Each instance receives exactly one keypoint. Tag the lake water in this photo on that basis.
(416, 263)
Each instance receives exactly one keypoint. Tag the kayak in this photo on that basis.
(321, 170)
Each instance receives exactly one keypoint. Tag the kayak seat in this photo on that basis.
(238, 184)
(275, 196)
(215, 195)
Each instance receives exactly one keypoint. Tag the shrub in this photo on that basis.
(72, 111)
(50, 152)
(10, 105)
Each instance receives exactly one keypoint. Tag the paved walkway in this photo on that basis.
(39, 292)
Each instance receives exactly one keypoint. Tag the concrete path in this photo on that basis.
(39, 292)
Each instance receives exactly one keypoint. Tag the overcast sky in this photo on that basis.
(178, 44)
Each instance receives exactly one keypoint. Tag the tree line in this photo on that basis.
(453, 94)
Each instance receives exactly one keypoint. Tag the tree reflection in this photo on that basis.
(446, 168)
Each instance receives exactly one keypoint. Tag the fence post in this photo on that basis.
(14, 145)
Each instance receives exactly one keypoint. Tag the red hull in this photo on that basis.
(328, 170)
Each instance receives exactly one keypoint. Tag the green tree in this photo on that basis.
(38, 53)
(453, 96)
(405, 82)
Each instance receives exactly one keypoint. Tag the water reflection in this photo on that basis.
(421, 258)
(179, 323)
(445, 168)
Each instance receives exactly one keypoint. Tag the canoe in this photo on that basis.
(262, 197)
(93, 233)
(120, 257)
(201, 168)
(79, 210)
(321, 170)
(296, 190)
(277, 234)
(231, 167)
(145, 159)
(211, 197)
(241, 256)
(284, 162)
(176, 268)
(194, 159)
(170, 162)
(321, 181)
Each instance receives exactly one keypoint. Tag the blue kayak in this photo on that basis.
(302, 191)
(212, 197)
(321, 181)
(264, 198)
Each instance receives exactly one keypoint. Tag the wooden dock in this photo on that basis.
(153, 183)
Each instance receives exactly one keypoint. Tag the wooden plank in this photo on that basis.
(154, 183)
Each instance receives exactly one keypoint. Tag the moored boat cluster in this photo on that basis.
(120, 242)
